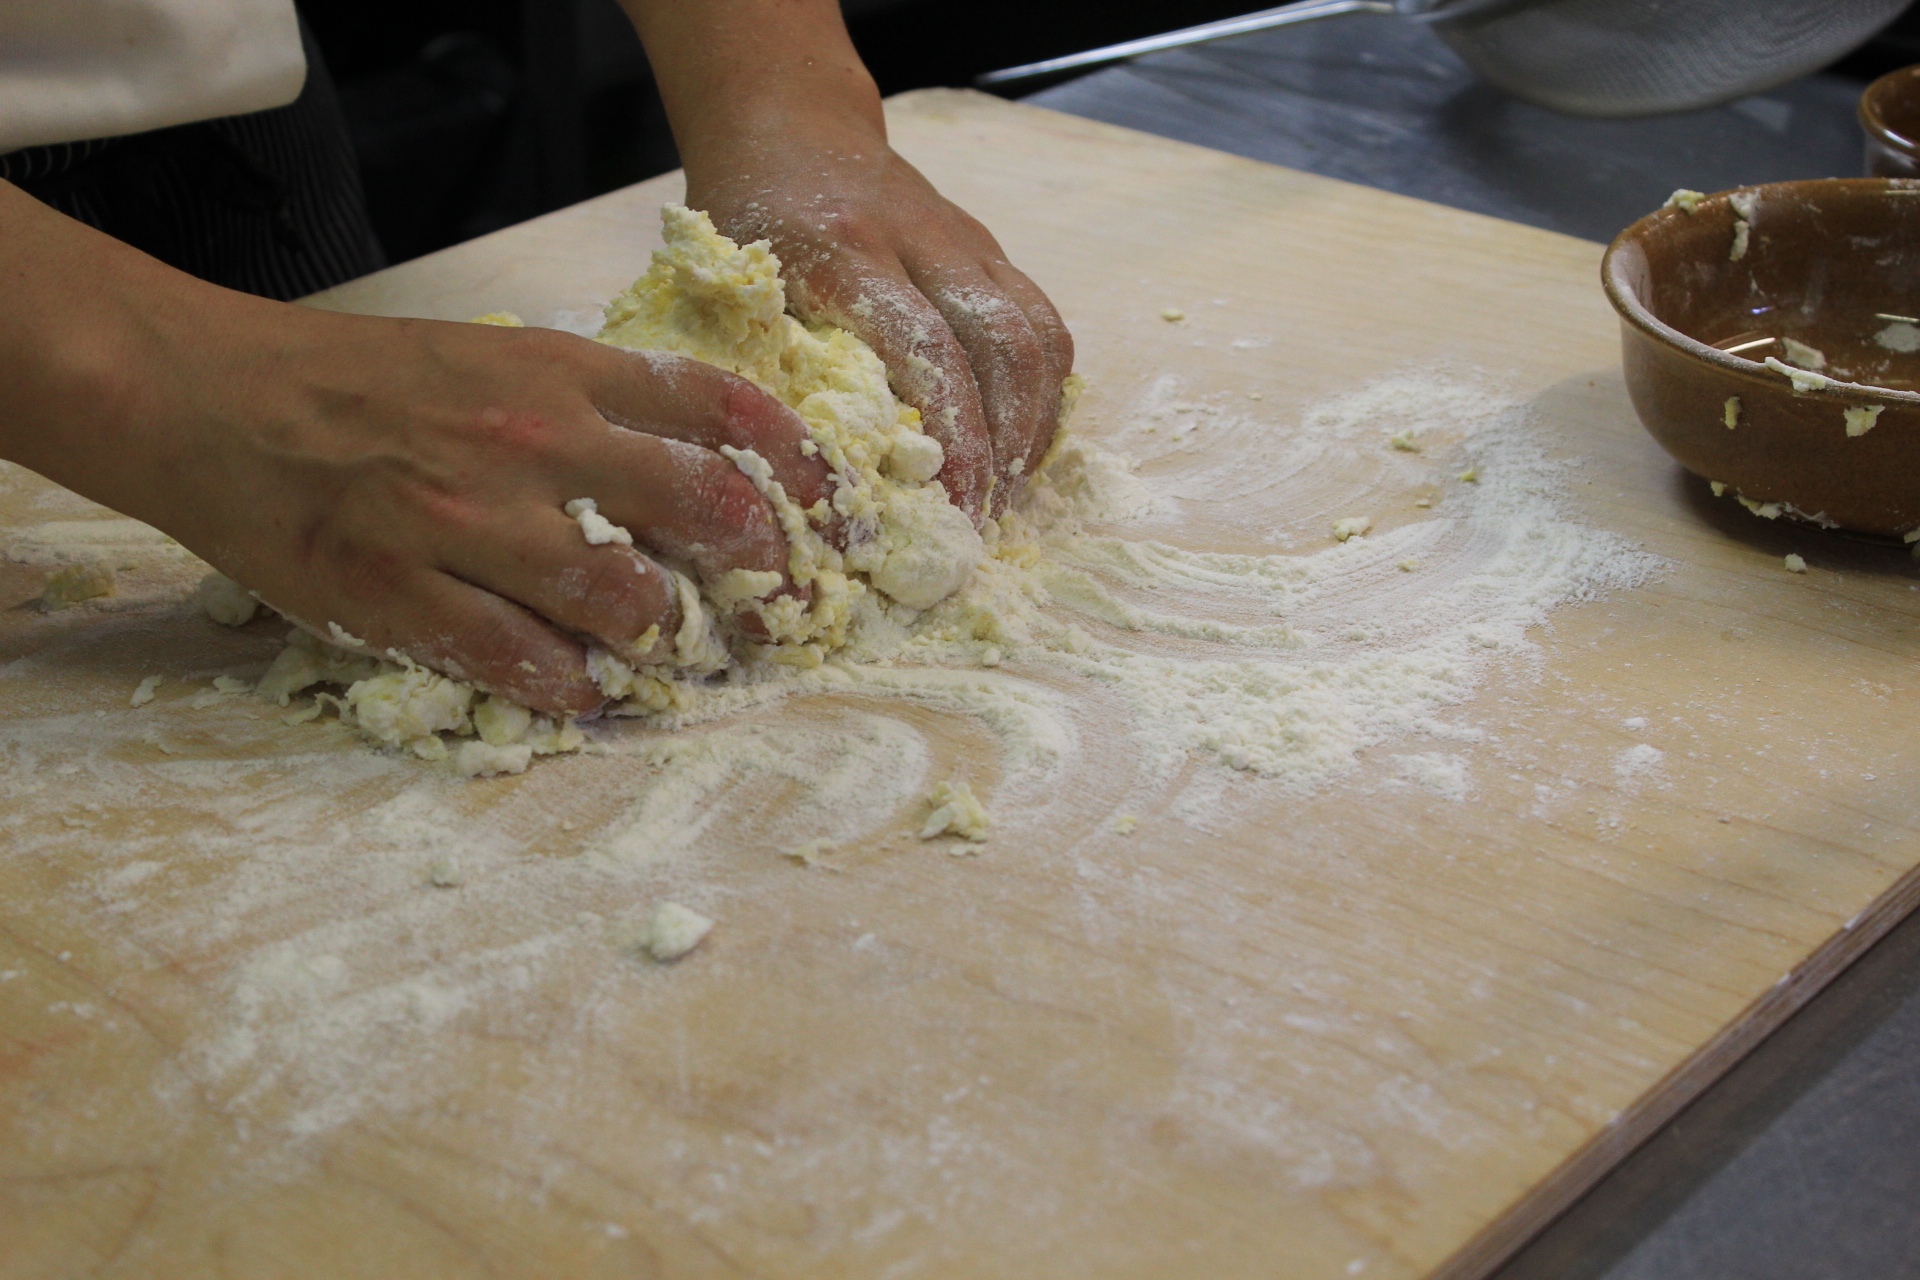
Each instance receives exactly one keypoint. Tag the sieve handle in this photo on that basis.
(1286, 14)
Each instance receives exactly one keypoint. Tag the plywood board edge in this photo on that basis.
(1506, 1235)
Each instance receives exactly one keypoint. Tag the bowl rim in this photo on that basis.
(1875, 123)
(1627, 303)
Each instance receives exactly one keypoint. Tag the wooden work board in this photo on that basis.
(1373, 1031)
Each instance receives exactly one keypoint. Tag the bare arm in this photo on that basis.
(781, 131)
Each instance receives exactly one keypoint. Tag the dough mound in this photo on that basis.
(907, 548)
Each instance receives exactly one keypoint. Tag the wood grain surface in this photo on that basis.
(1369, 1032)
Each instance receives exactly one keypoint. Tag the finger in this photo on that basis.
(1054, 337)
(1009, 363)
(926, 365)
(539, 559)
(689, 505)
(472, 635)
(695, 402)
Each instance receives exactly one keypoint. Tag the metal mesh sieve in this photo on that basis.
(1584, 57)
(1645, 57)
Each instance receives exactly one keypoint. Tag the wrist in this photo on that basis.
(775, 125)
(106, 358)
(744, 79)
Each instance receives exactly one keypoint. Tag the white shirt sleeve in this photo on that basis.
(77, 69)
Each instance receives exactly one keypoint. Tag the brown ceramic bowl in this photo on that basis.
(1890, 117)
(1832, 264)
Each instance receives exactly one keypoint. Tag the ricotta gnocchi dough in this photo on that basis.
(907, 547)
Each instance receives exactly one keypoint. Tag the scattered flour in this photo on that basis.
(1442, 773)
(1637, 761)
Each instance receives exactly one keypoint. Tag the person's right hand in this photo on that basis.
(402, 480)
(405, 480)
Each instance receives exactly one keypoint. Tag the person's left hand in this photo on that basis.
(866, 243)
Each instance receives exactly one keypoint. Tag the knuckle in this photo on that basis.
(523, 435)
(629, 594)
(1020, 347)
(727, 502)
(749, 416)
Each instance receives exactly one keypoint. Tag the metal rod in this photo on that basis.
(1301, 11)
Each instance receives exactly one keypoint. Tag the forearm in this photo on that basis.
(86, 324)
(740, 73)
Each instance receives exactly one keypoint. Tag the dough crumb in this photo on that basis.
(1801, 379)
(343, 637)
(144, 694)
(1730, 412)
(1471, 475)
(1900, 336)
(225, 601)
(1862, 420)
(1124, 824)
(1404, 442)
(1742, 234)
(475, 758)
(815, 853)
(1408, 566)
(955, 812)
(1423, 502)
(1684, 199)
(914, 457)
(597, 529)
(1765, 510)
(673, 931)
(1351, 527)
(72, 583)
(1173, 315)
(1719, 487)
(1795, 564)
(446, 874)
(1805, 356)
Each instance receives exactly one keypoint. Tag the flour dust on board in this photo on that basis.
(1194, 607)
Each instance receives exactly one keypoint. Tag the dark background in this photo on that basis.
(470, 115)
